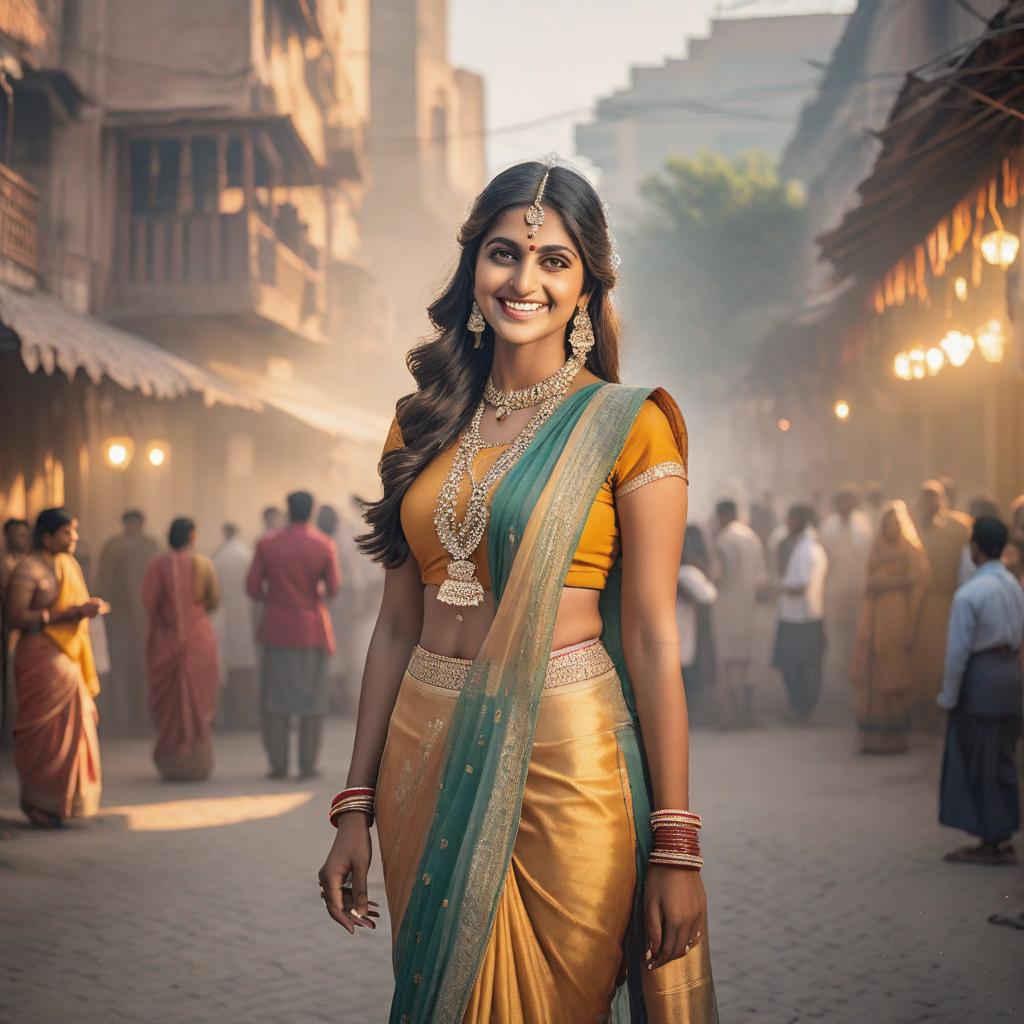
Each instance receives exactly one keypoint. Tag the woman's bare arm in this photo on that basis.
(652, 522)
(394, 636)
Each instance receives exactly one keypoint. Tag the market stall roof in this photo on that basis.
(53, 337)
(944, 134)
(309, 404)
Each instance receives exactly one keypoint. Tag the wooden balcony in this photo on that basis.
(19, 221)
(215, 265)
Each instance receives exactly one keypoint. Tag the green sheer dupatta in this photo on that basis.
(447, 923)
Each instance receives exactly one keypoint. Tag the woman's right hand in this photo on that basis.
(349, 859)
(93, 607)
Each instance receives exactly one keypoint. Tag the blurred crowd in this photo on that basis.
(916, 610)
(270, 634)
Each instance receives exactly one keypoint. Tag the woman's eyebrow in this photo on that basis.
(546, 250)
(499, 240)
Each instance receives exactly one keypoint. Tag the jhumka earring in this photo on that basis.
(476, 324)
(581, 337)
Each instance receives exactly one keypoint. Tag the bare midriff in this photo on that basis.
(578, 619)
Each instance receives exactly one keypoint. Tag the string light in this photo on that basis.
(991, 341)
(901, 366)
(960, 288)
(935, 360)
(1000, 247)
(842, 410)
(784, 425)
(957, 346)
(918, 363)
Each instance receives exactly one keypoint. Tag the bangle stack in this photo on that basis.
(676, 842)
(355, 798)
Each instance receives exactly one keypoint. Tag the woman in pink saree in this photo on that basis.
(179, 590)
(56, 747)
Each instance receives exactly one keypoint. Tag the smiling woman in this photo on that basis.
(524, 676)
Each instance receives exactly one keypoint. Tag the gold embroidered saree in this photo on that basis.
(513, 818)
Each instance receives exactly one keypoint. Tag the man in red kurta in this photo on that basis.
(294, 571)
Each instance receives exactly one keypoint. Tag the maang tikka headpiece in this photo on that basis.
(534, 215)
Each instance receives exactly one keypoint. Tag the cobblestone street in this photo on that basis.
(195, 903)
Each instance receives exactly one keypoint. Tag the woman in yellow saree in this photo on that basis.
(882, 667)
(56, 747)
(522, 711)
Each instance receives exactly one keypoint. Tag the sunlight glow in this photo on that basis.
(206, 812)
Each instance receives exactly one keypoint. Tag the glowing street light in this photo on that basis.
(118, 452)
(842, 410)
(1000, 247)
(957, 346)
(157, 453)
(991, 341)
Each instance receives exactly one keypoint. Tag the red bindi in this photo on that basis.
(533, 248)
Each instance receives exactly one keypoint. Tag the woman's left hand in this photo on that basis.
(675, 910)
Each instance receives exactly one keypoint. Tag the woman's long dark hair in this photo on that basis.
(450, 373)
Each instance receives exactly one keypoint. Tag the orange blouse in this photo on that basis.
(655, 448)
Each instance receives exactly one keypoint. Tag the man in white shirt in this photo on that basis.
(800, 639)
(846, 536)
(741, 572)
(982, 691)
(232, 622)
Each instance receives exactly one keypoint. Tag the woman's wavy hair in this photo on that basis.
(450, 373)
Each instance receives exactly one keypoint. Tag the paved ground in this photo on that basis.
(198, 903)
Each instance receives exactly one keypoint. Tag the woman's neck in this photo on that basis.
(521, 366)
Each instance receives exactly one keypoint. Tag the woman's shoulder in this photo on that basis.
(656, 446)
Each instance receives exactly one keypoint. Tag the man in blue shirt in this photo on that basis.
(982, 691)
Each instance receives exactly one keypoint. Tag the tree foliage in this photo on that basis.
(711, 260)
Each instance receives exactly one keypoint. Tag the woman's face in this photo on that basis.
(890, 526)
(528, 288)
(64, 539)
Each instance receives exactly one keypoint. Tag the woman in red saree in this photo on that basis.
(56, 747)
(179, 590)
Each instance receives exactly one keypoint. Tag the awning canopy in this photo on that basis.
(310, 405)
(54, 337)
(944, 136)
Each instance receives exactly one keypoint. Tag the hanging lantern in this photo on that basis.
(1000, 247)
(960, 288)
(935, 360)
(901, 366)
(957, 346)
(991, 341)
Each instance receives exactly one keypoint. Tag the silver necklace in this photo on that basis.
(505, 402)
